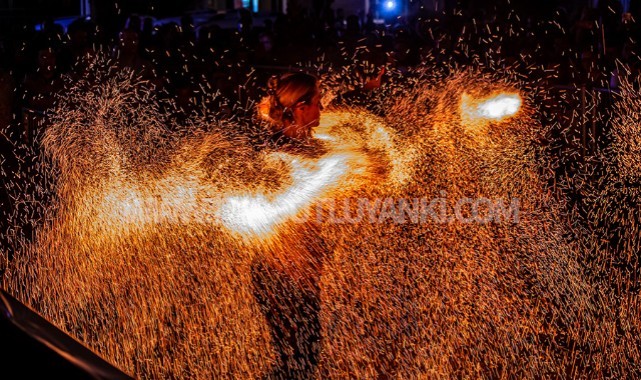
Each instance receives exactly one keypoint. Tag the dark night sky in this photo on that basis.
(53, 7)
(56, 8)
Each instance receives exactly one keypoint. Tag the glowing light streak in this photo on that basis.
(324, 137)
(256, 215)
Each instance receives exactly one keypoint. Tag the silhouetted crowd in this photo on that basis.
(568, 45)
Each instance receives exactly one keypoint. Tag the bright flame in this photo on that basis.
(499, 107)
(476, 113)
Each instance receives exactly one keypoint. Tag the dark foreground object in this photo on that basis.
(33, 348)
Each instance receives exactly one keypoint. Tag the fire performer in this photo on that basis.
(287, 282)
(287, 277)
(292, 107)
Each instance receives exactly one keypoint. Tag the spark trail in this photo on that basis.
(152, 237)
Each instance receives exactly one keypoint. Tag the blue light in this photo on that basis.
(247, 4)
(390, 5)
